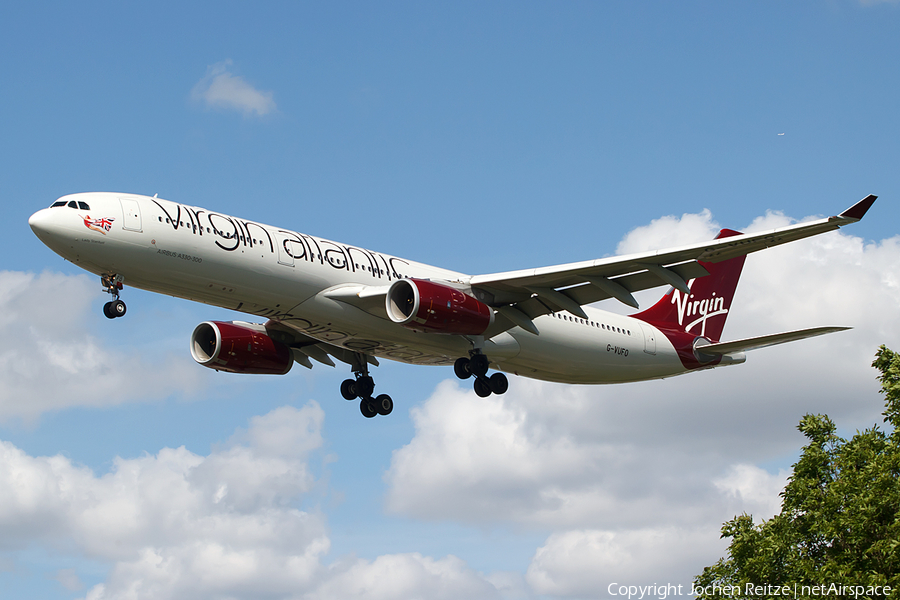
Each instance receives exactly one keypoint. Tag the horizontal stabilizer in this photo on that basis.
(765, 341)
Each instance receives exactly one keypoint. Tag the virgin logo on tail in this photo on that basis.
(709, 297)
(687, 306)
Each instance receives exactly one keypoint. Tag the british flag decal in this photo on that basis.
(103, 224)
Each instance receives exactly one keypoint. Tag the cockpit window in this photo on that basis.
(58, 203)
(84, 206)
(73, 204)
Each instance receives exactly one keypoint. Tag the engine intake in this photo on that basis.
(239, 348)
(430, 307)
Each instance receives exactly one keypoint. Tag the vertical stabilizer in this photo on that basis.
(704, 310)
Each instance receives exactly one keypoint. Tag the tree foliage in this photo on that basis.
(840, 516)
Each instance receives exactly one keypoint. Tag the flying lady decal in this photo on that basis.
(103, 225)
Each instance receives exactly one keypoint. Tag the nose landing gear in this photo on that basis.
(362, 388)
(477, 365)
(111, 285)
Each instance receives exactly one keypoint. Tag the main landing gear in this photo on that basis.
(111, 285)
(477, 365)
(362, 388)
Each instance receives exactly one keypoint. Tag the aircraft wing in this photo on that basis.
(765, 341)
(520, 296)
(304, 347)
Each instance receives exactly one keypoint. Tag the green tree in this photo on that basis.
(839, 522)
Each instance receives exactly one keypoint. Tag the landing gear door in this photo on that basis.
(649, 339)
(131, 213)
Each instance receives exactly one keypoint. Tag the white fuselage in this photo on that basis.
(284, 275)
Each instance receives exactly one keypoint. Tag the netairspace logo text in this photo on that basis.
(750, 590)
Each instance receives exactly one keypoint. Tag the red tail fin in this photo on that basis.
(703, 312)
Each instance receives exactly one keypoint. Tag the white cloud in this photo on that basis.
(551, 456)
(754, 490)
(220, 88)
(178, 525)
(591, 563)
(406, 576)
(652, 470)
(629, 483)
(56, 362)
(239, 496)
(669, 232)
(69, 579)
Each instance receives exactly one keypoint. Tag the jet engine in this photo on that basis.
(431, 307)
(239, 348)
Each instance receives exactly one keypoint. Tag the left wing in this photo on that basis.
(520, 296)
(304, 347)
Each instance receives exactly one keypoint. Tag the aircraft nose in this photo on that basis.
(40, 221)
(44, 223)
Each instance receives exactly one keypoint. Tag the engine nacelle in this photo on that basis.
(239, 348)
(431, 307)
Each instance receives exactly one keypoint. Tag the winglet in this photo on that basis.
(858, 210)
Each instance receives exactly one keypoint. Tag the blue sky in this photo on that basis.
(476, 136)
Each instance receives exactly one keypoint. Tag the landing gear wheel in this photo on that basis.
(483, 387)
(499, 383)
(367, 408)
(461, 368)
(384, 405)
(114, 309)
(364, 387)
(478, 365)
(117, 308)
(348, 389)
(112, 284)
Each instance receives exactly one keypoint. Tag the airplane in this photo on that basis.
(324, 300)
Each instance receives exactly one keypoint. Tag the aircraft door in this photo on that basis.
(284, 255)
(649, 339)
(131, 213)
